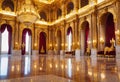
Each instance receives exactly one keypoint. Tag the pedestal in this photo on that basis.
(93, 53)
(34, 52)
(117, 51)
(93, 57)
(77, 55)
(62, 52)
(50, 52)
(16, 52)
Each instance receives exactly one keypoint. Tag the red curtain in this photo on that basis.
(24, 38)
(69, 30)
(9, 29)
(42, 43)
(110, 30)
(86, 35)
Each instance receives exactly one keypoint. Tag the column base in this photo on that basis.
(117, 51)
(77, 55)
(93, 53)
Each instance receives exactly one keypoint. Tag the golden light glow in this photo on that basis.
(62, 44)
(13, 68)
(99, 1)
(50, 45)
(102, 75)
(35, 66)
(89, 42)
(77, 68)
(56, 66)
(46, 1)
(40, 68)
(50, 65)
(62, 66)
(101, 40)
(35, 44)
(7, 13)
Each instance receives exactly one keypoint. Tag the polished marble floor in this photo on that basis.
(52, 68)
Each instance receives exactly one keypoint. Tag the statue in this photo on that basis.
(111, 48)
(42, 50)
(88, 50)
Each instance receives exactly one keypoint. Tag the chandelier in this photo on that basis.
(27, 14)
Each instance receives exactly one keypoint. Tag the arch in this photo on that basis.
(42, 43)
(69, 38)
(84, 2)
(24, 39)
(9, 4)
(43, 16)
(84, 36)
(70, 7)
(9, 29)
(59, 13)
(59, 40)
(107, 29)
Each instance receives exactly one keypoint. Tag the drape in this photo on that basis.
(86, 35)
(24, 39)
(42, 43)
(110, 30)
(69, 30)
(9, 29)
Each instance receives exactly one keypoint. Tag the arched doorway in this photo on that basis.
(84, 36)
(6, 38)
(69, 39)
(26, 41)
(59, 41)
(42, 43)
(107, 30)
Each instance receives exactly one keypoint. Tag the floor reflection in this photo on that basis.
(86, 69)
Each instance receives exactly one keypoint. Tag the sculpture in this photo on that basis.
(111, 48)
(88, 50)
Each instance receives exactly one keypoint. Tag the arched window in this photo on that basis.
(43, 16)
(84, 2)
(6, 31)
(70, 7)
(59, 13)
(26, 41)
(69, 39)
(8, 5)
(4, 46)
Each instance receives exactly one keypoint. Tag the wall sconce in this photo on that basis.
(89, 42)
(62, 44)
(50, 46)
(78, 43)
(66, 44)
(35, 44)
(56, 45)
(16, 43)
(101, 40)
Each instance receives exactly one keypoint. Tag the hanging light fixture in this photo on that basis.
(27, 14)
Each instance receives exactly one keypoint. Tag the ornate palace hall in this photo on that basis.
(59, 40)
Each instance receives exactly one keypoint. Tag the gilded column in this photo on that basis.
(77, 32)
(118, 17)
(94, 29)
